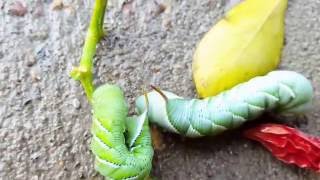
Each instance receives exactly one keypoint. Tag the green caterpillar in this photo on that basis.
(281, 91)
(122, 145)
(118, 157)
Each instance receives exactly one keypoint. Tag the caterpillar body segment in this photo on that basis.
(280, 91)
(122, 145)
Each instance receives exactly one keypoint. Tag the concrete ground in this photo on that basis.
(44, 115)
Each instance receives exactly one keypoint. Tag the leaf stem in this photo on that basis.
(84, 72)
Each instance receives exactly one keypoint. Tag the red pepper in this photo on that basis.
(288, 144)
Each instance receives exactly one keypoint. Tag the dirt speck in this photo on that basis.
(30, 59)
(39, 11)
(57, 5)
(34, 73)
(157, 139)
(160, 9)
(18, 9)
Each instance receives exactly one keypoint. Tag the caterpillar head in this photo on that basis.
(157, 107)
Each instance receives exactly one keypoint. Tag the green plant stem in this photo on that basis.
(84, 72)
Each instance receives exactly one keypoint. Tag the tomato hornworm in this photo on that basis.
(281, 91)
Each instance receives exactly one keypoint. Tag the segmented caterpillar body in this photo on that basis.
(281, 91)
(121, 145)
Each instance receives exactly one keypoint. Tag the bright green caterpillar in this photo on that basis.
(121, 145)
(118, 157)
(281, 91)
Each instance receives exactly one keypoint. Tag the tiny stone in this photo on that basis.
(218, 5)
(35, 156)
(61, 163)
(56, 5)
(305, 46)
(31, 60)
(39, 9)
(34, 75)
(160, 9)
(167, 23)
(127, 8)
(17, 9)
(76, 103)
(70, 10)
(39, 35)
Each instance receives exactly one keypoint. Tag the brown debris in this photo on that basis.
(17, 9)
(160, 9)
(57, 5)
(157, 139)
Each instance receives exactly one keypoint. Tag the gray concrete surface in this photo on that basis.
(45, 118)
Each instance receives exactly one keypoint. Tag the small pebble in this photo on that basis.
(35, 156)
(160, 9)
(127, 8)
(61, 163)
(56, 5)
(39, 9)
(305, 46)
(39, 35)
(17, 9)
(70, 10)
(35, 75)
(31, 59)
(167, 23)
(76, 103)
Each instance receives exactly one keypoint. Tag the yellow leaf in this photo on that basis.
(246, 43)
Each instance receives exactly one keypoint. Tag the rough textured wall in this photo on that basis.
(45, 118)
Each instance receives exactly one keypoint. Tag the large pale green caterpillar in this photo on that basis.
(121, 145)
(281, 91)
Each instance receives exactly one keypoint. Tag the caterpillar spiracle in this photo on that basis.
(280, 91)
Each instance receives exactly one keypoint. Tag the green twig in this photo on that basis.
(84, 72)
